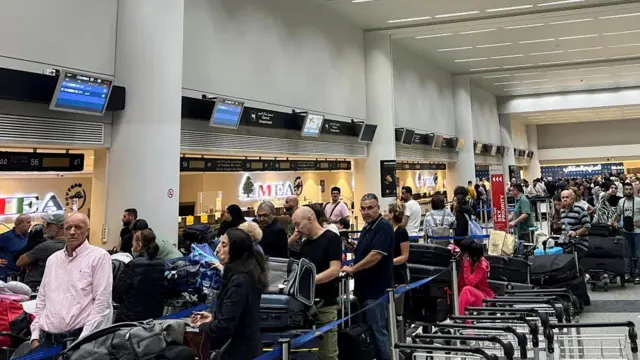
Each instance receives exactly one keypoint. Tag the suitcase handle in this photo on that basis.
(507, 347)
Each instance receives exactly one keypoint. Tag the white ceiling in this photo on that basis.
(574, 116)
(515, 47)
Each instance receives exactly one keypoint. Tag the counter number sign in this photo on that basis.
(170, 193)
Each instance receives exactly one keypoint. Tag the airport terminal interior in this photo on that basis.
(182, 108)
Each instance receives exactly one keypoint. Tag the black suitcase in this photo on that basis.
(602, 230)
(606, 247)
(553, 269)
(615, 266)
(198, 234)
(429, 254)
(282, 312)
(578, 288)
(357, 343)
(508, 269)
(423, 308)
(500, 287)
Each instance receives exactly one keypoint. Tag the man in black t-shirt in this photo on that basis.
(324, 249)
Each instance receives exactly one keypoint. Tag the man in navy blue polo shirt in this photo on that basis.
(373, 269)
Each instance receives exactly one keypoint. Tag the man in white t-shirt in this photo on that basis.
(336, 209)
(412, 212)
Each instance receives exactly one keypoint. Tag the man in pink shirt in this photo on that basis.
(336, 209)
(75, 295)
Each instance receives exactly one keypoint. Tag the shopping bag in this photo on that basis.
(501, 243)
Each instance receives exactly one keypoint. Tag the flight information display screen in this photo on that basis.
(81, 93)
(227, 113)
(312, 125)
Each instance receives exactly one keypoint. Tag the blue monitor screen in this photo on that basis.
(227, 113)
(312, 125)
(81, 93)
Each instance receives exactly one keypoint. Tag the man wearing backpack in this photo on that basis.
(522, 217)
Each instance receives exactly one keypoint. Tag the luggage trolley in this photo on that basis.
(594, 345)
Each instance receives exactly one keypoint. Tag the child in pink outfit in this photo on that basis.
(473, 282)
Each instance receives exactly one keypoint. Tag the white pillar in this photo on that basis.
(380, 111)
(145, 149)
(533, 172)
(464, 169)
(509, 159)
(98, 195)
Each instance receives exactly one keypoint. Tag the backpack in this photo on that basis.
(296, 278)
(474, 228)
(117, 266)
(439, 230)
(15, 322)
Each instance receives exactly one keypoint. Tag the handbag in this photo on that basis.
(627, 221)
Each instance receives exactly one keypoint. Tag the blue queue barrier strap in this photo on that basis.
(187, 312)
(48, 353)
(472, 237)
(305, 338)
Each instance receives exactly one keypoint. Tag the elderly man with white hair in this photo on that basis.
(574, 218)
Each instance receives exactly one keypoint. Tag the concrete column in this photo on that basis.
(533, 171)
(509, 158)
(380, 111)
(463, 170)
(144, 170)
(98, 195)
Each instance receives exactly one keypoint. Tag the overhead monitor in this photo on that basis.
(367, 132)
(478, 148)
(529, 154)
(407, 137)
(81, 93)
(312, 125)
(437, 141)
(460, 145)
(494, 150)
(226, 113)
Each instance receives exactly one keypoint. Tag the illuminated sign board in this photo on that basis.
(29, 204)
(248, 190)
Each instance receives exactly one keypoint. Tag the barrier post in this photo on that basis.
(286, 347)
(454, 286)
(393, 330)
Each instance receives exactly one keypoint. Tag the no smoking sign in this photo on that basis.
(170, 193)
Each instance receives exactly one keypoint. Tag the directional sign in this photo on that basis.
(498, 198)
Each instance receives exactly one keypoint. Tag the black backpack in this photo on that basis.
(117, 268)
(198, 234)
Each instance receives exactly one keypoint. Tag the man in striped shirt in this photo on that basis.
(574, 218)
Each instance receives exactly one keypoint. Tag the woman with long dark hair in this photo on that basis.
(140, 288)
(395, 214)
(473, 281)
(236, 318)
(463, 212)
(231, 219)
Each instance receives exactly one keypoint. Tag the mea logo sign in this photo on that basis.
(249, 190)
(75, 191)
(30, 204)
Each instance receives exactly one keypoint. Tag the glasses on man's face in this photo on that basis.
(262, 216)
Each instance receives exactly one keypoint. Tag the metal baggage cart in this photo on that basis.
(562, 343)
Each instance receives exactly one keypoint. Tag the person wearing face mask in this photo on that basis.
(141, 288)
(236, 318)
(35, 260)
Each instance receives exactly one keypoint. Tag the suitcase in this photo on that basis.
(429, 254)
(423, 308)
(356, 343)
(197, 234)
(508, 269)
(553, 269)
(606, 247)
(283, 312)
(500, 287)
(437, 286)
(578, 288)
(602, 230)
(614, 266)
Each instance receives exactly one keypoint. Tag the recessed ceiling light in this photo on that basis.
(621, 32)
(507, 56)
(626, 65)
(526, 74)
(409, 19)
(624, 56)
(593, 68)
(618, 16)
(475, 31)
(496, 76)
(536, 80)
(507, 83)
(361, 1)
(586, 49)
(590, 59)
(486, 68)
(623, 45)
(523, 26)
(630, 73)
(559, 2)
(492, 45)
(455, 49)
(547, 52)
(510, 8)
(457, 14)
(553, 62)
(473, 59)
(535, 41)
(577, 37)
(434, 35)
(516, 66)
(569, 21)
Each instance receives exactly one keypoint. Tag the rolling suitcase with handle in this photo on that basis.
(355, 342)
(508, 269)
(553, 269)
(429, 254)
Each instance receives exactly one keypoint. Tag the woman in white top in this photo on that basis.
(439, 221)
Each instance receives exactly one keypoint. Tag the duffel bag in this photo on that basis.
(605, 247)
(296, 278)
(553, 269)
(131, 340)
(198, 234)
(602, 230)
(615, 266)
(508, 269)
(429, 254)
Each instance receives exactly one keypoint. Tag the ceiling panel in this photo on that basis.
(579, 115)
